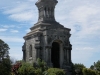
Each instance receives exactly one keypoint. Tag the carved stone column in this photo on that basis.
(66, 54)
(24, 52)
(24, 55)
(66, 57)
(48, 55)
(70, 48)
(38, 51)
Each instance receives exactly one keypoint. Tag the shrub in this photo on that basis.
(41, 64)
(88, 71)
(35, 69)
(97, 72)
(54, 71)
(40, 67)
(38, 71)
(26, 69)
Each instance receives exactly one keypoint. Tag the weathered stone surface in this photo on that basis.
(49, 39)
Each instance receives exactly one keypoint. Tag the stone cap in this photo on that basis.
(47, 0)
(43, 1)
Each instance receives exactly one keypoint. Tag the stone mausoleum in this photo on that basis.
(48, 40)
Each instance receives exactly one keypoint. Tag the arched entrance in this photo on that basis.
(55, 54)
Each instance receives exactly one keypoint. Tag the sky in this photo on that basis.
(81, 16)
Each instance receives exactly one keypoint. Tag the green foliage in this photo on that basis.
(38, 71)
(97, 72)
(88, 71)
(54, 71)
(79, 66)
(4, 50)
(35, 69)
(92, 67)
(5, 63)
(97, 65)
(40, 67)
(26, 69)
(5, 67)
(41, 64)
(73, 69)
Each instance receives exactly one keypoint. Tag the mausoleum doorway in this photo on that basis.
(55, 55)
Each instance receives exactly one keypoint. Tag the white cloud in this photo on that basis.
(14, 31)
(12, 39)
(85, 48)
(3, 30)
(17, 9)
(83, 54)
(8, 26)
(23, 12)
(87, 19)
(82, 13)
(31, 0)
(24, 16)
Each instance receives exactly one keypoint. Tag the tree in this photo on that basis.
(88, 71)
(78, 68)
(96, 66)
(92, 67)
(5, 63)
(4, 50)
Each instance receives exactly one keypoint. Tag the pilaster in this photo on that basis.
(38, 51)
(48, 55)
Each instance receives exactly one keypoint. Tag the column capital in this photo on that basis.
(65, 47)
(68, 47)
(38, 47)
(47, 46)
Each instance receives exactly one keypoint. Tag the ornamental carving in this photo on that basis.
(49, 39)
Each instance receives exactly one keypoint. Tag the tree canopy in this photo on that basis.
(79, 66)
(96, 66)
(4, 50)
(5, 63)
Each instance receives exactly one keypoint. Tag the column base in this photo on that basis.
(67, 68)
(67, 72)
(50, 64)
